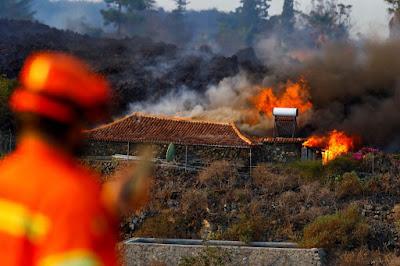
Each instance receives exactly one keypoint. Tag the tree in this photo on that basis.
(16, 9)
(180, 32)
(122, 12)
(252, 15)
(329, 20)
(394, 24)
(394, 6)
(181, 6)
(252, 11)
(287, 17)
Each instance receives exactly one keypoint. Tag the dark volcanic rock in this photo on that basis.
(138, 68)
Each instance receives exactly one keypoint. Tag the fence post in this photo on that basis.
(186, 157)
(250, 161)
(128, 151)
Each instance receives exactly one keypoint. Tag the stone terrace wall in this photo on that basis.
(200, 156)
(160, 254)
(280, 153)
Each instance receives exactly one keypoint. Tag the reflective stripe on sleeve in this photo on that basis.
(71, 258)
(17, 220)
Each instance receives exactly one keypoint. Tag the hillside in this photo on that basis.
(138, 68)
(347, 207)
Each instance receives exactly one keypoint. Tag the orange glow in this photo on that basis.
(295, 95)
(336, 143)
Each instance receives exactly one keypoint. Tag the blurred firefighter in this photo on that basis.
(53, 210)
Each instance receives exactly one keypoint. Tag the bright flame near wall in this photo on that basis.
(335, 144)
(295, 95)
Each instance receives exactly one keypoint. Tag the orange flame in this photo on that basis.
(296, 95)
(335, 144)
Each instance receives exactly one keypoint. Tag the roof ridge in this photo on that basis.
(161, 117)
(179, 119)
(240, 134)
(109, 124)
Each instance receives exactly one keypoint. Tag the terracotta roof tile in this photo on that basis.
(283, 140)
(155, 129)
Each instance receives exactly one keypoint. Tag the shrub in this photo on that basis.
(272, 181)
(392, 260)
(372, 186)
(348, 186)
(341, 165)
(219, 174)
(309, 170)
(240, 195)
(193, 210)
(316, 195)
(208, 256)
(396, 216)
(362, 257)
(342, 230)
(160, 226)
(246, 229)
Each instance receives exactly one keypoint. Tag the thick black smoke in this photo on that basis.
(356, 89)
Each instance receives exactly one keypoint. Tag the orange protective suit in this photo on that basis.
(51, 211)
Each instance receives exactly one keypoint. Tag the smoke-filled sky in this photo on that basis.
(370, 16)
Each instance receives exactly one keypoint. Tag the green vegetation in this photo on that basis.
(246, 229)
(6, 88)
(331, 20)
(394, 6)
(125, 12)
(343, 230)
(349, 185)
(181, 6)
(317, 206)
(309, 170)
(315, 171)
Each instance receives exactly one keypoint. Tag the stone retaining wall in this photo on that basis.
(200, 156)
(139, 254)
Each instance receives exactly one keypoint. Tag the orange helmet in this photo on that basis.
(60, 87)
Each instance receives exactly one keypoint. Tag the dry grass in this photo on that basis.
(219, 174)
(161, 226)
(362, 257)
(341, 230)
(396, 212)
(246, 229)
(270, 180)
(393, 260)
(349, 186)
(396, 217)
(309, 170)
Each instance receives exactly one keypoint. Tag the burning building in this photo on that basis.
(328, 147)
(196, 143)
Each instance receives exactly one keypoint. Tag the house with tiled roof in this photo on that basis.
(194, 142)
(140, 128)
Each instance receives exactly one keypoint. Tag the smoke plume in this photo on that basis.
(356, 89)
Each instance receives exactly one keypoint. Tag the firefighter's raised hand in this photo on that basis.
(130, 188)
